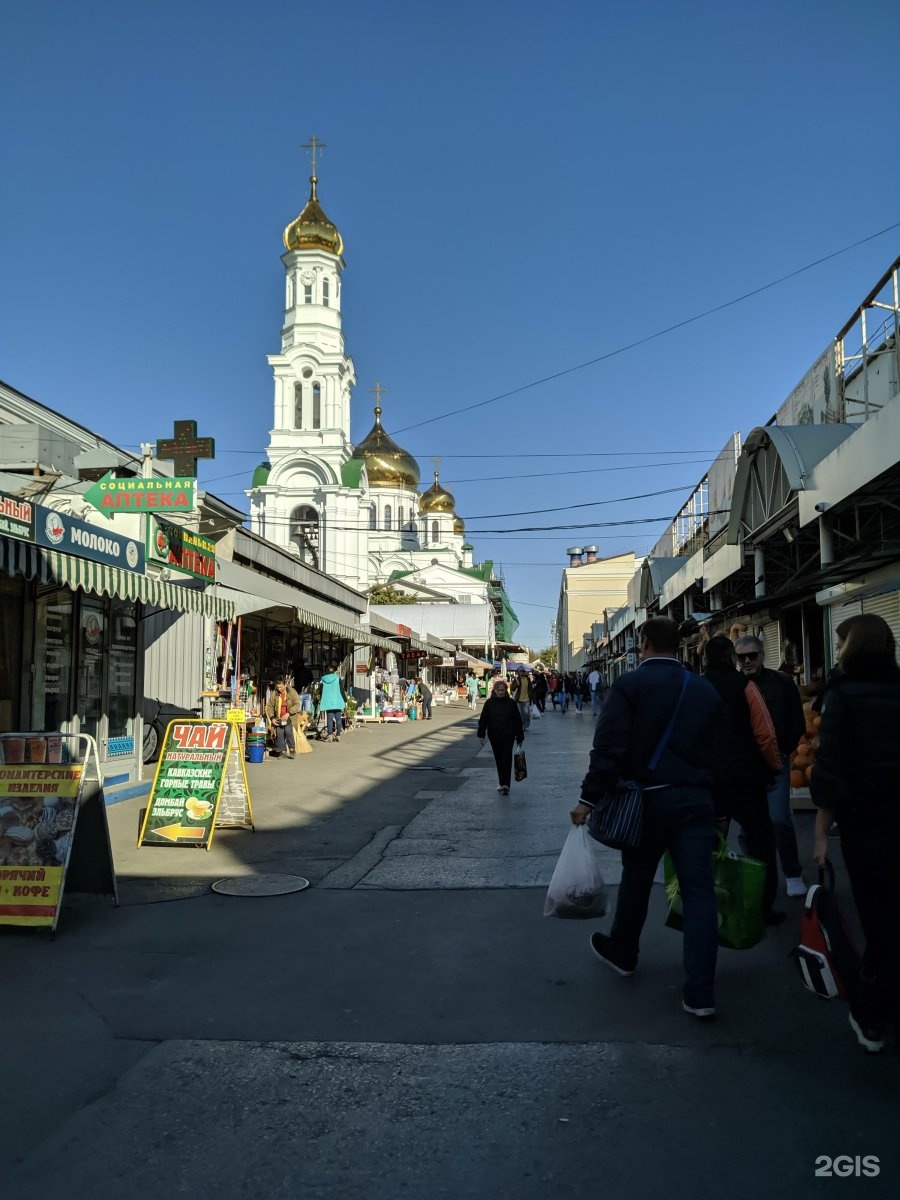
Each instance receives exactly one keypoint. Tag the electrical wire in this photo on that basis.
(650, 337)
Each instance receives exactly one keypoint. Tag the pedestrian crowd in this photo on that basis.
(703, 751)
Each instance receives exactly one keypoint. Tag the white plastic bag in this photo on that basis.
(535, 713)
(577, 889)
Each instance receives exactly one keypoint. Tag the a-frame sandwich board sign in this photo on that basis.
(53, 828)
(200, 785)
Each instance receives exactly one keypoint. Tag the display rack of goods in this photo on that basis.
(804, 756)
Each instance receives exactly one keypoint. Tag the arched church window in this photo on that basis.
(372, 518)
(435, 531)
(387, 516)
(304, 530)
(298, 405)
(325, 292)
(317, 407)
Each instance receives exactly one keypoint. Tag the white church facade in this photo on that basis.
(353, 511)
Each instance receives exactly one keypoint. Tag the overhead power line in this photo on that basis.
(650, 337)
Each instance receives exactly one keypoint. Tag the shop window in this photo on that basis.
(298, 405)
(387, 516)
(317, 407)
(53, 660)
(12, 592)
(91, 651)
(435, 531)
(305, 534)
(325, 292)
(121, 665)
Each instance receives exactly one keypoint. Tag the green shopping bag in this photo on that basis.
(739, 883)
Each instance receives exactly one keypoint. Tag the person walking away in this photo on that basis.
(303, 681)
(501, 722)
(786, 707)
(562, 695)
(598, 686)
(426, 696)
(540, 688)
(750, 760)
(679, 814)
(332, 703)
(472, 690)
(854, 780)
(553, 685)
(522, 694)
(578, 693)
(281, 706)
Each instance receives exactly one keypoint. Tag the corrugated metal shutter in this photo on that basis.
(888, 608)
(175, 644)
(771, 640)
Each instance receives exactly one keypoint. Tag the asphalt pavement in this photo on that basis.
(410, 1024)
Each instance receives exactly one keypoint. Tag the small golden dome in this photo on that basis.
(312, 230)
(459, 526)
(437, 499)
(386, 464)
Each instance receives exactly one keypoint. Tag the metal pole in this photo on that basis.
(759, 572)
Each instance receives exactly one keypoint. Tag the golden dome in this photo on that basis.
(437, 499)
(386, 464)
(312, 230)
(459, 526)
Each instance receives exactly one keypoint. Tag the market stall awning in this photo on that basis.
(252, 592)
(52, 566)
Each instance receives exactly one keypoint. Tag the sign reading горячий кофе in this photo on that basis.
(111, 495)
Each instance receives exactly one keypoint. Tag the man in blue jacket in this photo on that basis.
(679, 813)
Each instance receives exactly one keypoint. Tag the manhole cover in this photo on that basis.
(260, 885)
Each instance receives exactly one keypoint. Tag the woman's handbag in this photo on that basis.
(617, 819)
(520, 770)
(739, 883)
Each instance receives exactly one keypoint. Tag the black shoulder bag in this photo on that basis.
(618, 816)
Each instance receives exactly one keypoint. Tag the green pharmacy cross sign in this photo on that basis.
(185, 448)
(165, 496)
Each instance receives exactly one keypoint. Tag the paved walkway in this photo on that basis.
(410, 1024)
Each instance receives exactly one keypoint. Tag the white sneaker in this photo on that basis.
(795, 886)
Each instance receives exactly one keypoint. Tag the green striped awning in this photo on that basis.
(126, 585)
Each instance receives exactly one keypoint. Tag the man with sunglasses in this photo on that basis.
(786, 708)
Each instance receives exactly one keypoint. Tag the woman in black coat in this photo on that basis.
(856, 780)
(502, 722)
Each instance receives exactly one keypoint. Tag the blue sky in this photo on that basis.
(520, 188)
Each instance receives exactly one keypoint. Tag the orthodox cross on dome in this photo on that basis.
(185, 448)
(314, 144)
(378, 391)
(437, 466)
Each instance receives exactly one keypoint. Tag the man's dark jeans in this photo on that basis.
(680, 820)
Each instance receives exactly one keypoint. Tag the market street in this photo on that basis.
(411, 1023)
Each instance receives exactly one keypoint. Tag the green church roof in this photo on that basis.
(261, 475)
(351, 472)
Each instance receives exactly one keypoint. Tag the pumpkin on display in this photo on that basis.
(798, 778)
